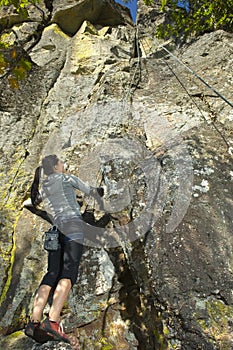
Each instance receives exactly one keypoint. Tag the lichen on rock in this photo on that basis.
(157, 268)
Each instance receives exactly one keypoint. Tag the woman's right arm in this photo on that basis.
(84, 187)
(79, 184)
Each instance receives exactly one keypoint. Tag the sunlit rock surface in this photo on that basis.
(157, 267)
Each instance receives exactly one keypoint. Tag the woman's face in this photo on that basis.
(59, 167)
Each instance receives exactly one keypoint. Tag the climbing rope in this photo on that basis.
(137, 67)
(201, 113)
(190, 96)
(197, 76)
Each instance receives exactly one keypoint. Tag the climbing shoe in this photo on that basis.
(54, 329)
(34, 331)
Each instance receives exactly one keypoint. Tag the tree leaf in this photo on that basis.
(25, 64)
(13, 82)
(19, 73)
(3, 64)
(13, 54)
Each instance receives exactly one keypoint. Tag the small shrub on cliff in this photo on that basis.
(13, 63)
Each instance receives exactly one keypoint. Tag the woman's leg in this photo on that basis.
(69, 273)
(49, 281)
(40, 302)
(59, 297)
(33, 328)
(55, 259)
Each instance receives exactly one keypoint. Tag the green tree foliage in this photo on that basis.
(148, 2)
(14, 63)
(203, 16)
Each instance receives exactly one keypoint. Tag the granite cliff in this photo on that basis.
(125, 114)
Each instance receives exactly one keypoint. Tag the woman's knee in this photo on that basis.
(50, 279)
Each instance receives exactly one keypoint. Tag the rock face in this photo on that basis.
(70, 16)
(157, 267)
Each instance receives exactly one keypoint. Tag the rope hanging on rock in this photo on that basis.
(203, 81)
(197, 76)
(203, 117)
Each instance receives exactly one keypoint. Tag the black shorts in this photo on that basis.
(64, 262)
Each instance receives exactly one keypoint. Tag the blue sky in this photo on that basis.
(132, 5)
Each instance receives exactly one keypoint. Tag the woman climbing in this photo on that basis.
(58, 194)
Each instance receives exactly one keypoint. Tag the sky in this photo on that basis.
(132, 5)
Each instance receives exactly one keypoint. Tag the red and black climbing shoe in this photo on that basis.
(34, 331)
(54, 329)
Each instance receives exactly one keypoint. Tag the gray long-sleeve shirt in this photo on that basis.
(58, 194)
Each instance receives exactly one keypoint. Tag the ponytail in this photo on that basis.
(48, 164)
(35, 195)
